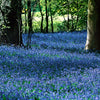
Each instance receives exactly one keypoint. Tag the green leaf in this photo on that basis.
(61, 88)
(5, 82)
(40, 91)
(20, 88)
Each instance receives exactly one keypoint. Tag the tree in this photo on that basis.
(31, 9)
(29, 23)
(41, 16)
(51, 16)
(25, 9)
(46, 8)
(93, 28)
(14, 22)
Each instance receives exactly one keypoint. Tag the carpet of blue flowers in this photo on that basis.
(56, 68)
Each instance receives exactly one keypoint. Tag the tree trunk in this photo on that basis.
(41, 16)
(51, 16)
(72, 26)
(76, 25)
(46, 16)
(25, 17)
(93, 28)
(29, 23)
(29, 16)
(68, 17)
(14, 32)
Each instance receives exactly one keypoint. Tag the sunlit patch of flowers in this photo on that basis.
(56, 68)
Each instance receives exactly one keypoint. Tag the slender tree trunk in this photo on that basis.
(29, 16)
(25, 23)
(51, 16)
(68, 17)
(76, 26)
(41, 18)
(52, 24)
(14, 32)
(46, 16)
(93, 28)
(33, 12)
(25, 17)
(29, 23)
(19, 12)
(72, 26)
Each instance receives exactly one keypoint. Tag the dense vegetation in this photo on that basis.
(61, 15)
(65, 15)
(55, 68)
(50, 66)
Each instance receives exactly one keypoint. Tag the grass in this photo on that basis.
(56, 68)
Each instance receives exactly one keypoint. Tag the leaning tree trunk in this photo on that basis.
(14, 32)
(93, 28)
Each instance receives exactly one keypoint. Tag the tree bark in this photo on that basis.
(46, 16)
(68, 16)
(76, 26)
(41, 16)
(29, 16)
(25, 2)
(51, 16)
(29, 23)
(14, 32)
(93, 27)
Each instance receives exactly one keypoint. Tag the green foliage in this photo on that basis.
(77, 9)
(36, 26)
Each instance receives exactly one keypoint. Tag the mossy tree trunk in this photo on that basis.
(93, 28)
(14, 32)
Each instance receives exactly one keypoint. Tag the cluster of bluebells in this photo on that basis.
(56, 68)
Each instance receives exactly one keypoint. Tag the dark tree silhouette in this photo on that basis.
(41, 16)
(29, 23)
(14, 32)
(51, 16)
(46, 8)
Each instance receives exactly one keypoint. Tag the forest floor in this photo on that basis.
(56, 68)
